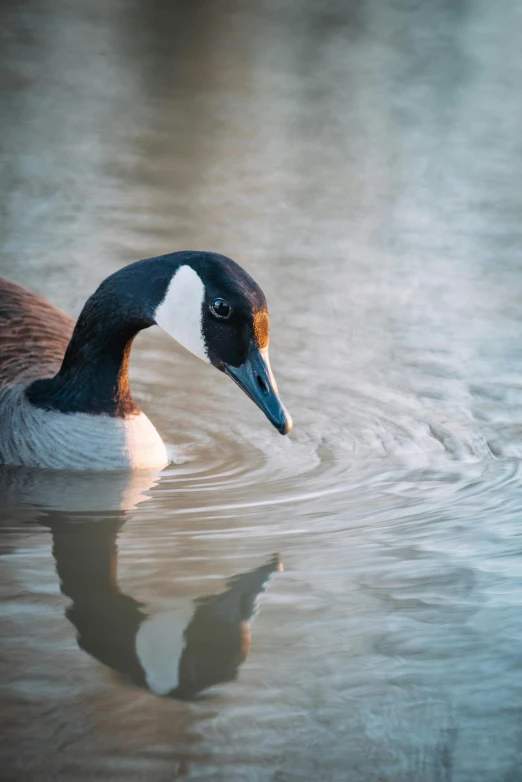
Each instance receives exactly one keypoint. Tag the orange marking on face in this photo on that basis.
(261, 329)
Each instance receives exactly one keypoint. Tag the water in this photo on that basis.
(362, 161)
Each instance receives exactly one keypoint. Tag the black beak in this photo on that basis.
(257, 381)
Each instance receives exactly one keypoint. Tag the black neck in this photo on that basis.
(94, 374)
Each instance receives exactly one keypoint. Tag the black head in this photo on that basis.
(218, 312)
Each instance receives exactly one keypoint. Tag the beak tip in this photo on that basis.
(286, 425)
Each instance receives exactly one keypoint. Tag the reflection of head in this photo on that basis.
(217, 640)
(179, 651)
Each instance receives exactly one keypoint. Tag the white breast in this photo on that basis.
(34, 437)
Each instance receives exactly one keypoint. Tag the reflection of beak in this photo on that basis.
(257, 381)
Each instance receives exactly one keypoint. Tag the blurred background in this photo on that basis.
(362, 160)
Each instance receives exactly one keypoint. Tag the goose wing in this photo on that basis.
(34, 335)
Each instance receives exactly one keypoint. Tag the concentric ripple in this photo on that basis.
(365, 440)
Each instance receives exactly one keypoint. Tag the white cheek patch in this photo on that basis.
(180, 312)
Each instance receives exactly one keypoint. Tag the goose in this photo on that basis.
(65, 399)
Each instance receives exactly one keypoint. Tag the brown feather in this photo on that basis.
(34, 335)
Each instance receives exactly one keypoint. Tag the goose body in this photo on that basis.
(65, 400)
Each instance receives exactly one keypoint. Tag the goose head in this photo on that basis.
(214, 309)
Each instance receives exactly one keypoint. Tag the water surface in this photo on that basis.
(362, 160)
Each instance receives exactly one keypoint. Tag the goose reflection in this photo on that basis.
(178, 652)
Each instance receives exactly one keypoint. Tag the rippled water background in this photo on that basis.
(363, 161)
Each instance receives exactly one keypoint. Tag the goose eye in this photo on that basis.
(221, 309)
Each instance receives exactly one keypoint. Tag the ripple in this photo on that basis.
(390, 443)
